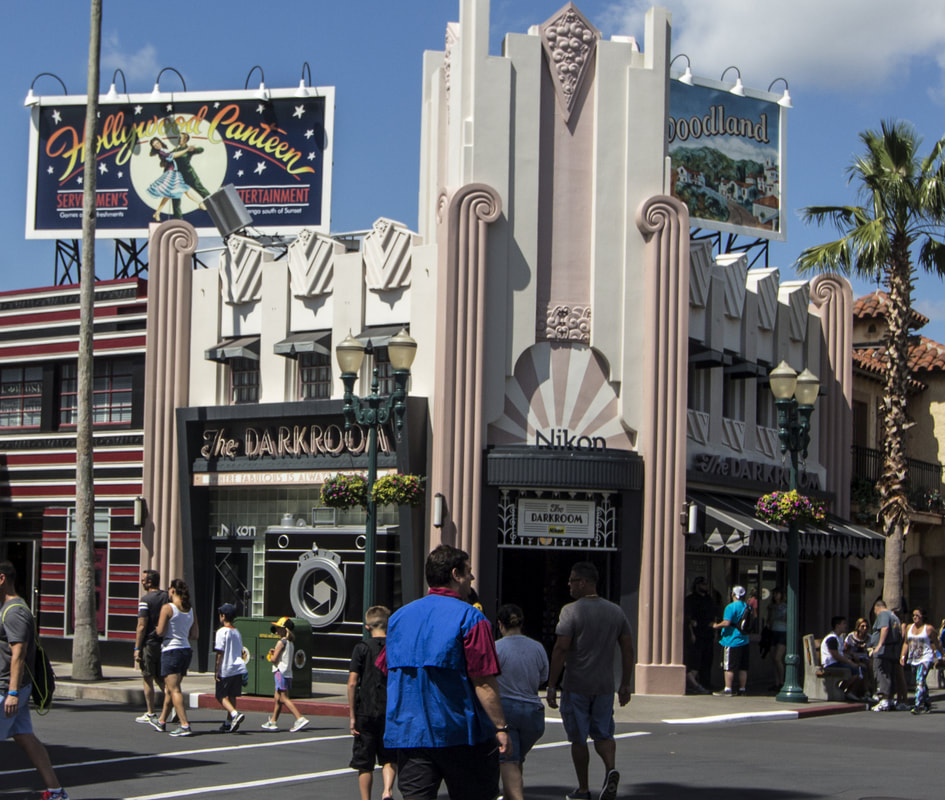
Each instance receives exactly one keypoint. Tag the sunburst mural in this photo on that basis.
(561, 392)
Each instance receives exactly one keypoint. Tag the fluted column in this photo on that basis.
(456, 467)
(664, 223)
(832, 295)
(167, 375)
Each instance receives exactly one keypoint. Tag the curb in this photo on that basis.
(121, 695)
(317, 708)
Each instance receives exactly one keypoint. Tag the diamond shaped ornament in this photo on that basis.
(569, 42)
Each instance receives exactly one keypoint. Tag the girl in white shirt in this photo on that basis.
(281, 657)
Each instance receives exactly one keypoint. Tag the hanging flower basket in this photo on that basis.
(783, 508)
(344, 491)
(398, 490)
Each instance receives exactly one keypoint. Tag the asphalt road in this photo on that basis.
(100, 753)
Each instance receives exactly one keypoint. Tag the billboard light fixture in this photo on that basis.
(112, 95)
(305, 90)
(32, 99)
(262, 93)
(785, 101)
(686, 77)
(156, 91)
(739, 87)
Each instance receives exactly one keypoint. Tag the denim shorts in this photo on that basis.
(526, 723)
(586, 715)
(176, 661)
(21, 722)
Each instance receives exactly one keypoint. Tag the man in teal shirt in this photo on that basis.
(734, 643)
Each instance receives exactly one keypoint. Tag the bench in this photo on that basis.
(821, 683)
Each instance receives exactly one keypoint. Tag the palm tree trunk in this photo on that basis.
(86, 659)
(892, 486)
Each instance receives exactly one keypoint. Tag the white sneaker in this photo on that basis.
(882, 705)
(300, 723)
(269, 725)
(145, 718)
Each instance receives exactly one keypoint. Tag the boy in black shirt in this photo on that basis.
(367, 703)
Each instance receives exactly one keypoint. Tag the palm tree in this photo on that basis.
(900, 221)
(86, 657)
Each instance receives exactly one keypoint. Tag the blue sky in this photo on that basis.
(849, 64)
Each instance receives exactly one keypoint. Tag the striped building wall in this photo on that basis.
(39, 329)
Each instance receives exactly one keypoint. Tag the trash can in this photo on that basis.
(258, 640)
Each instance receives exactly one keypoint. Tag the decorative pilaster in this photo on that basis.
(167, 375)
(832, 295)
(664, 223)
(458, 434)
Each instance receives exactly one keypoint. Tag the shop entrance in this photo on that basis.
(22, 554)
(537, 580)
(231, 578)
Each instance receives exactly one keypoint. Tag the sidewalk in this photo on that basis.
(122, 685)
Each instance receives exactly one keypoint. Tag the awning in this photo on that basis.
(728, 522)
(380, 335)
(304, 342)
(239, 347)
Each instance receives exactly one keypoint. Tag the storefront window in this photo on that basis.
(765, 416)
(21, 397)
(111, 392)
(385, 372)
(244, 381)
(733, 400)
(314, 376)
(699, 385)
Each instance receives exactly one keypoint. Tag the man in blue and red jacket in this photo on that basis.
(444, 715)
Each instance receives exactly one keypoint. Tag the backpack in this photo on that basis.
(40, 672)
(744, 624)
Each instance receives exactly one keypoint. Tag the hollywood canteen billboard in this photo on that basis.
(157, 160)
(726, 156)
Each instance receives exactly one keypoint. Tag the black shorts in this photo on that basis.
(176, 661)
(735, 659)
(231, 687)
(368, 749)
(150, 656)
(471, 772)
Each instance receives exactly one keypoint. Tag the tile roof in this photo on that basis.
(873, 305)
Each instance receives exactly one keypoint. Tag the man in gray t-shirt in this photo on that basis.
(17, 652)
(589, 632)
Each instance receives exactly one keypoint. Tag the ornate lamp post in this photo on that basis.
(372, 412)
(794, 396)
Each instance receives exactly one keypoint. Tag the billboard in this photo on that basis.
(158, 159)
(726, 156)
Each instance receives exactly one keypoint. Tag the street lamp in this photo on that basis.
(794, 396)
(372, 412)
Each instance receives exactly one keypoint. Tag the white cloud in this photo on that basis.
(139, 66)
(844, 44)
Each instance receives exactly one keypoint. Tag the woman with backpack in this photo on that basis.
(735, 624)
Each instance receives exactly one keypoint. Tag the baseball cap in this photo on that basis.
(228, 610)
(284, 622)
(738, 592)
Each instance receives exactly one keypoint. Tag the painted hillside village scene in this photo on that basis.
(725, 155)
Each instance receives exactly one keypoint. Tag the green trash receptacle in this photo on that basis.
(258, 640)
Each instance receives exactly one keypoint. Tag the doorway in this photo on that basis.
(536, 579)
(231, 579)
(22, 554)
